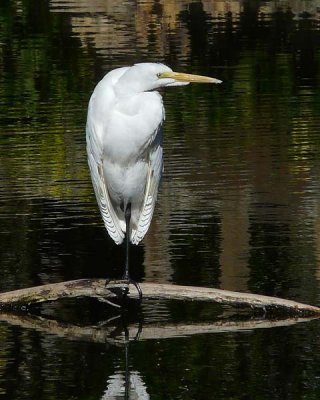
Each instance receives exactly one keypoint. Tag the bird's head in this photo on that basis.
(151, 76)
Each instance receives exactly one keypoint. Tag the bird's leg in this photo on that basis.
(127, 216)
(126, 276)
(121, 288)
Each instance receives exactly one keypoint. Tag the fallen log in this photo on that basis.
(96, 288)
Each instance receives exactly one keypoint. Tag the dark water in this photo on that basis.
(238, 208)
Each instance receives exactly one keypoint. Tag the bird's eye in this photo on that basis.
(159, 75)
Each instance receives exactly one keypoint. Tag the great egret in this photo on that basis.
(124, 146)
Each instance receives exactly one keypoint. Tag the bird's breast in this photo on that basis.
(126, 183)
(132, 125)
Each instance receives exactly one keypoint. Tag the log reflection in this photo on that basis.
(116, 332)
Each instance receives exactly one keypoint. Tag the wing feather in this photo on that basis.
(109, 216)
(155, 168)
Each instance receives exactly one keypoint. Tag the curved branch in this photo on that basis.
(96, 288)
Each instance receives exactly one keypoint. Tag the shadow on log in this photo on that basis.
(96, 288)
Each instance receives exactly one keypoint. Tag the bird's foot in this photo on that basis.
(137, 286)
(121, 287)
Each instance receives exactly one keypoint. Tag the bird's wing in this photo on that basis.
(109, 216)
(155, 168)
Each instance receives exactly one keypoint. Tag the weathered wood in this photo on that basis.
(96, 288)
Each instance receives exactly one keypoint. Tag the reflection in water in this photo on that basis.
(126, 387)
(168, 360)
(239, 204)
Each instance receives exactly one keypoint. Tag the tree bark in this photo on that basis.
(96, 288)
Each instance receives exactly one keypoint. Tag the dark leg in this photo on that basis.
(127, 219)
(122, 290)
(126, 276)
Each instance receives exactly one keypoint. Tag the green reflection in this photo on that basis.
(239, 205)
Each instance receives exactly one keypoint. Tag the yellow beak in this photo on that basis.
(181, 77)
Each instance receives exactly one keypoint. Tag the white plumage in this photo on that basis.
(124, 144)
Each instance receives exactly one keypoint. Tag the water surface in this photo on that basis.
(238, 207)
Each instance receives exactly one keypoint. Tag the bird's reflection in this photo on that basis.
(128, 384)
(132, 325)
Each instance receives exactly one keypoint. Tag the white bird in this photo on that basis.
(124, 146)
